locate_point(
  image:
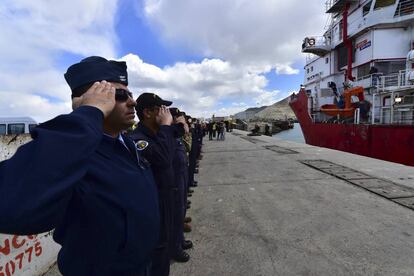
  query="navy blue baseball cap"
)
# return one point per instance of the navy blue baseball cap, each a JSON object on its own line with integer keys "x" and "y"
{"x": 146, "y": 100}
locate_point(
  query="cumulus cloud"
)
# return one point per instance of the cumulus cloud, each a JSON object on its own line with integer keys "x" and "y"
{"x": 243, "y": 40}
{"x": 34, "y": 34}
{"x": 258, "y": 33}
{"x": 28, "y": 104}
{"x": 201, "y": 88}
{"x": 285, "y": 70}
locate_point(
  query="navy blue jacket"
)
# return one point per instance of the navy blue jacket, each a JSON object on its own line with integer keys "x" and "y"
{"x": 88, "y": 186}
{"x": 159, "y": 152}
{"x": 180, "y": 164}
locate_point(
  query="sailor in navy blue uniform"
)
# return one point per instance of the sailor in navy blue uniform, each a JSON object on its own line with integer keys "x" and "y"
{"x": 180, "y": 166}
{"x": 80, "y": 176}
{"x": 193, "y": 152}
{"x": 155, "y": 136}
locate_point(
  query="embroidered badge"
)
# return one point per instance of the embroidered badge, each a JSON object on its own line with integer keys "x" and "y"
{"x": 141, "y": 144}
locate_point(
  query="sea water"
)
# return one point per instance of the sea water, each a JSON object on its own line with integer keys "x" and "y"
{"x": 295, "y": 134}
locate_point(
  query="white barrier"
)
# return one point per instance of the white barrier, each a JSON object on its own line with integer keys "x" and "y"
{"x": 24, "y": 255}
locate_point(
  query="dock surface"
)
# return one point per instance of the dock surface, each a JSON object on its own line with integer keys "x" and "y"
{"x": 260, "y": 210}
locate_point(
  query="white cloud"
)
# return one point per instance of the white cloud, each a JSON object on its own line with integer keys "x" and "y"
{"x": 33, "y": 35}
{"x": 286, "y": 70}
{"x": 258, "y": 33}
{"x": 200, "y": 87}
{"x": 28, "y": 104}
{"x": 243, "y": 39}
{"x": 267, "y": 98}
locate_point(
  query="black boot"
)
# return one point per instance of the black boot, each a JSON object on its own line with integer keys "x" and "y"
{"x": 187, "y": 244}
{"x": 181, "y": 257}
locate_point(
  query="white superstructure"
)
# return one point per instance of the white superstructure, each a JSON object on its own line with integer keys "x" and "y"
{"x": 379, "y": 35}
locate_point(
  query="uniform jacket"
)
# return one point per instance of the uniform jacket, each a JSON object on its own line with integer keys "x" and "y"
{"x": 158, "y": 150}
{"x": 88, "y": 186}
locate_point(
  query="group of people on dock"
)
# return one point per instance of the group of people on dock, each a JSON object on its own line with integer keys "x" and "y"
{"x": 218, "y": 129}
{"x": 115, "y": 197}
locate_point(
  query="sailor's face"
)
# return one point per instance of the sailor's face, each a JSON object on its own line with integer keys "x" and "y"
{"x": 123, "y": 114}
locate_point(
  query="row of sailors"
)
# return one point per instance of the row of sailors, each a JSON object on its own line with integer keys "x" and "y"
{"x": 117, "y": 202}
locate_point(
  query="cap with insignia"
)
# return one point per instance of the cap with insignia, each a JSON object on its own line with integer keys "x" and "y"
{"x": 94, "y": 68}
{"x": 175, "y": 112}
{"x": 146, "y": 100}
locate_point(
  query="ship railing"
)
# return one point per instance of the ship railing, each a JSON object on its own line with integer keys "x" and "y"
{"x": 405, "y": 7}
{"x": 318, "y": 45}
{"x": 400, "y": 111}
{"x": 357, "y": 115}
{"x": 393, "y": 81}
{"x": 371, "y": 80}
{"x": 403, "y": 116}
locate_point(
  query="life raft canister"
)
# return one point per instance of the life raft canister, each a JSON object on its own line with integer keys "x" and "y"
{"x": 311, "y": 41}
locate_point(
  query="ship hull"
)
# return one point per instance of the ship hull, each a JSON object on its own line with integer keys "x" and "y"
{"x": 393, "y": 143}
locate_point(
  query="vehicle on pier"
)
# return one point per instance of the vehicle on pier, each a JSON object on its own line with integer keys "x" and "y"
{"x": 16, "y": 125}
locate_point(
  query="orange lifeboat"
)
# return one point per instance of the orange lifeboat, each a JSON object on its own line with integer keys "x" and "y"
{"x": 348, "y": 110}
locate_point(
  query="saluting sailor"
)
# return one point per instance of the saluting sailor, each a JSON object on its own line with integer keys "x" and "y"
{"x": 155, "y": 138}
{"x": 86, "y": 180}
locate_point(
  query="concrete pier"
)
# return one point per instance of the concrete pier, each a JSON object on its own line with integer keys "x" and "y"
{"x": 260, "y": 210}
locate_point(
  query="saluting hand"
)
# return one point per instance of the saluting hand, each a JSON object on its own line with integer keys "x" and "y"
{"x": 164, "y": 116}
{"x": 181, "y": 120}
{"x": 101, "y": 95}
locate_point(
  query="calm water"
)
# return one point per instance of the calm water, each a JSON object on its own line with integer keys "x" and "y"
{"x": 295, "y": 134}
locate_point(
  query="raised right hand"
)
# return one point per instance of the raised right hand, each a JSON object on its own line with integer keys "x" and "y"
{"x": 101, "y": 95}
{"x": 164, "y": 116}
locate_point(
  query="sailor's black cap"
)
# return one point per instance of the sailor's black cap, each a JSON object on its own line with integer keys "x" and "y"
{"x": 146, "y": 100}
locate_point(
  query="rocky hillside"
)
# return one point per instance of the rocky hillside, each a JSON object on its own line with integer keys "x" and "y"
{"x": 278, "y": 111}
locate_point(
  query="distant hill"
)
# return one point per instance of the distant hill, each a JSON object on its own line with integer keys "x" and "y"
{"x": 277, "y": 111}
{"x": 257, "y": 109}
{"x": 249, "y": 113}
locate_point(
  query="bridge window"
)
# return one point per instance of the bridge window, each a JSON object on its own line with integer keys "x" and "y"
{"x": 366, "y": 8}
{"x": 390, "y": 67}
{"x": 383, "y": 3}
{"x": 15, "y": 128}
{"x": 363, "y": 70}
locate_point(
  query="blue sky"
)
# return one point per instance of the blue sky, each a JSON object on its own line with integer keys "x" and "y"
{"x": 209, "y": 57}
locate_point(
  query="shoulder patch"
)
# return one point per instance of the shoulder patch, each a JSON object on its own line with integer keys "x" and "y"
{"x": 141, "y": 144}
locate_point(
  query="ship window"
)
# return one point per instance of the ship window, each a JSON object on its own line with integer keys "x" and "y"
{"x": 15, "y": 128}
{"x": 307, "y": 70}
{"x": 326, "y": 60}
{"x": 383, "y": 3}
{"x": 390, "y": 67}
{"x": 342, "y": 54}
{"x": 2, "y": 129}
{"x": 366, "y": 8}
{"x": 311, "y": 68}
{"x": 363, "y": 70}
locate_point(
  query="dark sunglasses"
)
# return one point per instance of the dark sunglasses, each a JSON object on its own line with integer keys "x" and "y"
{"x": 122, "y": 95}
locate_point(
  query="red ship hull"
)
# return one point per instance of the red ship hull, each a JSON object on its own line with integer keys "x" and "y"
{"x": 393, "y": 143}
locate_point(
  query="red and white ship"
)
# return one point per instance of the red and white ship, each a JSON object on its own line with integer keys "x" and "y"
{"x": 358, "y": 94}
